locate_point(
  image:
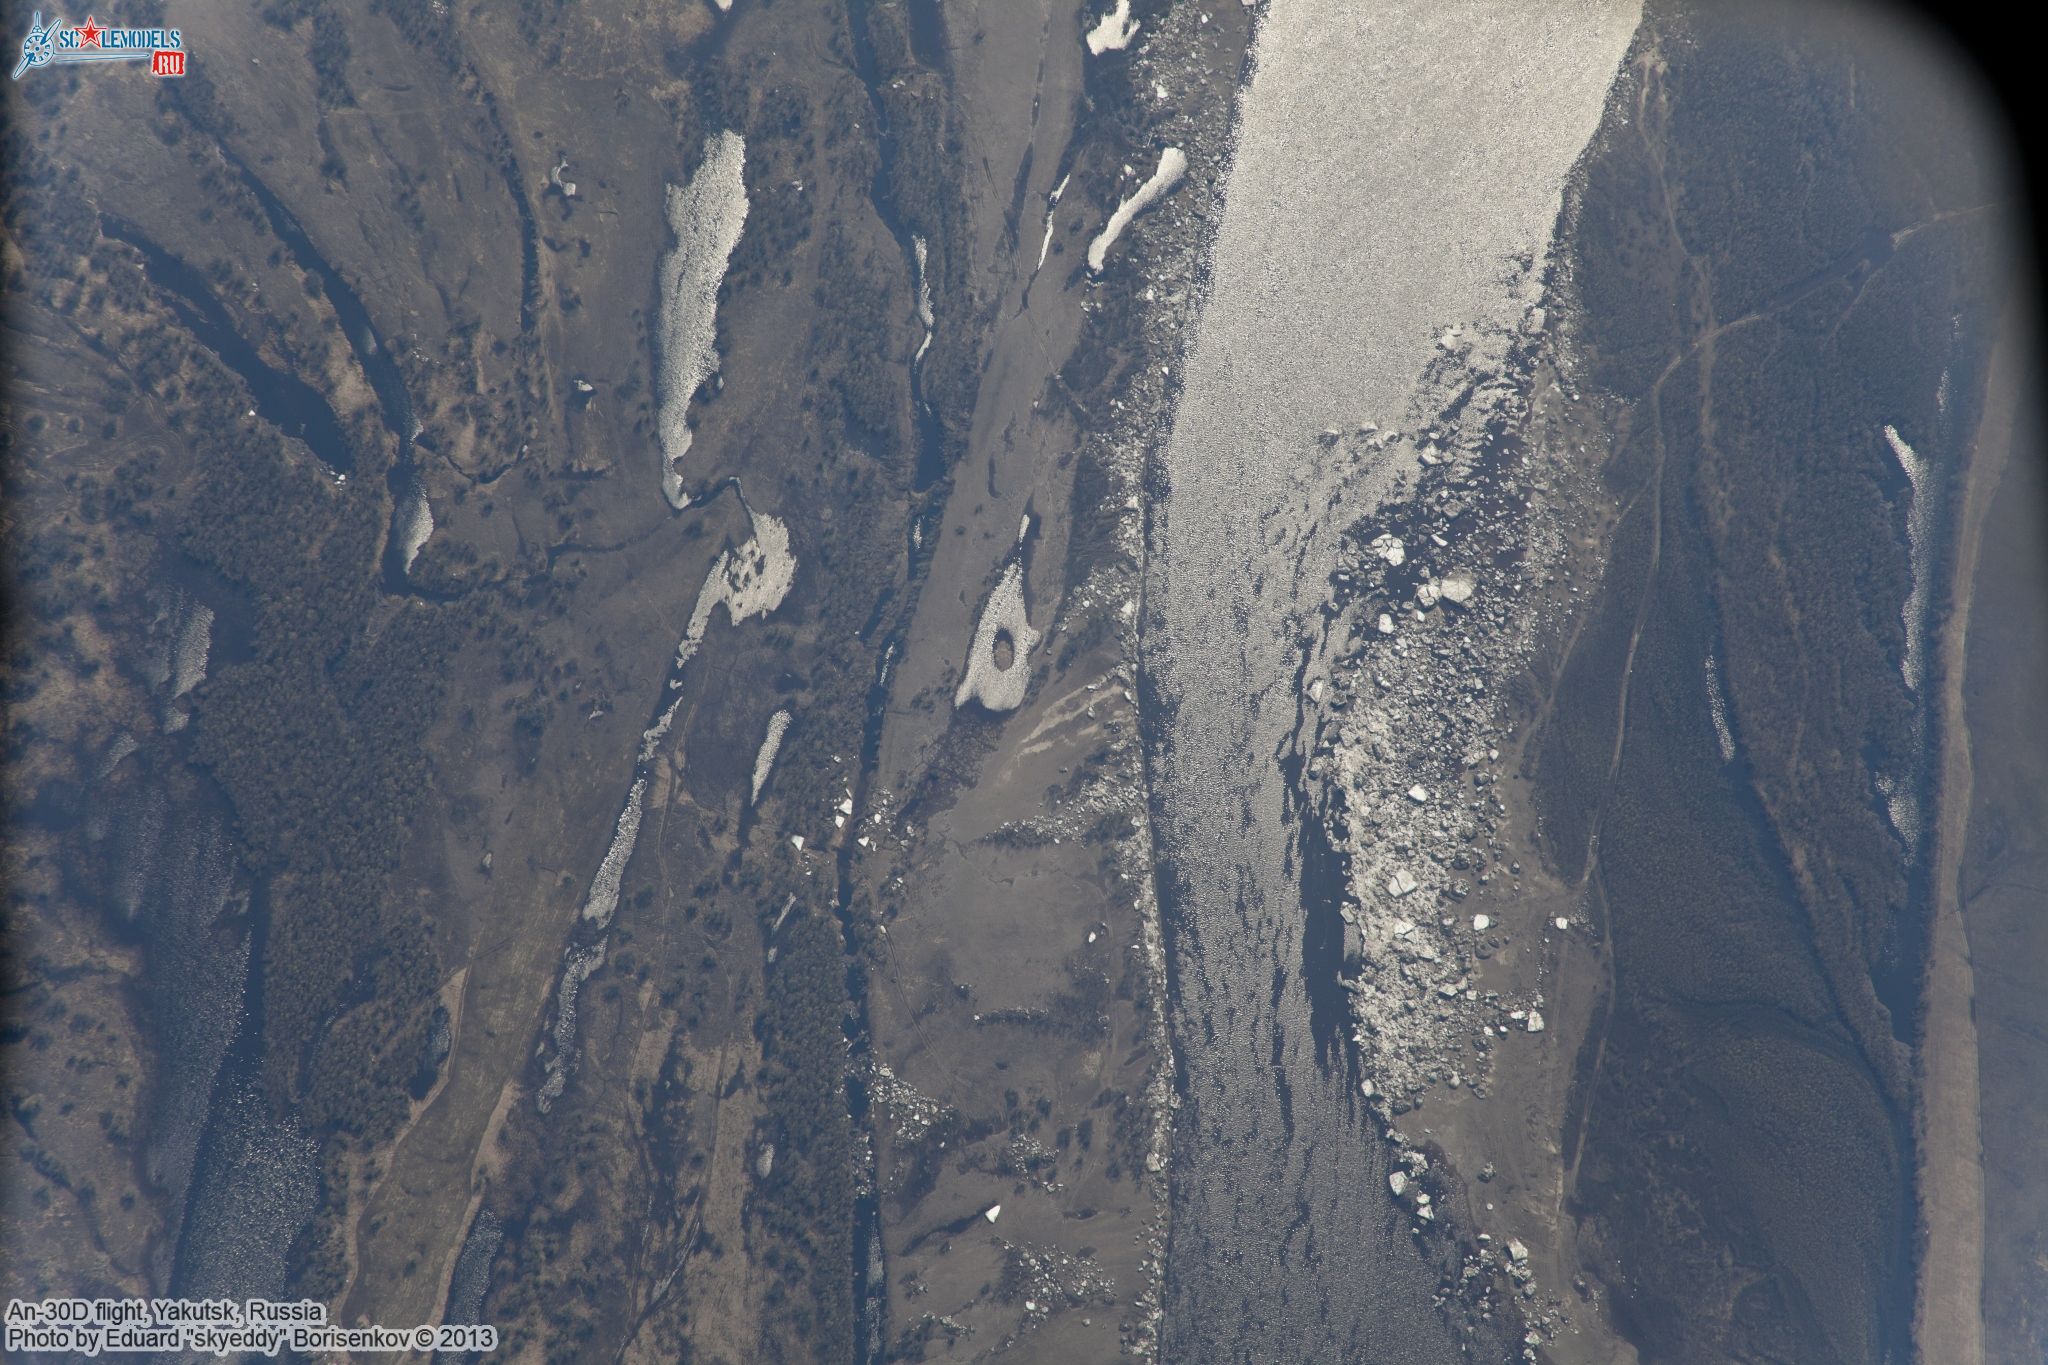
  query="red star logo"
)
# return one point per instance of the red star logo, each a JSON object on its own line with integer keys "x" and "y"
{"x": 89, "y": 33}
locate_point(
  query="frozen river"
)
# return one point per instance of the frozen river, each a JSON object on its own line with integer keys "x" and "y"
{"x": 1392, "y": 161}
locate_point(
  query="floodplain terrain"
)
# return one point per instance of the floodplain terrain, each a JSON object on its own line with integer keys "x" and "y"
{"x": 891, "y": 680}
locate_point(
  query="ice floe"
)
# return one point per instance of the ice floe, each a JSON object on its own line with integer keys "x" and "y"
{"x": 706, "y": 217}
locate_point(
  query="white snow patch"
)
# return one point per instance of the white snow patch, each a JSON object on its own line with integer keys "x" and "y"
{"x": 189, "y": 652}
{"x": 603, "y": 901}
{"x": 1902, "y": 808}
{"x": 924, "y": 300}
{"x": 1114, "y": 31}
{"x": 1919, "y": 519}
{"x": 417, "y": 528}
{"x": 1000, "y": 689}
{"x": 653, "y": 735}
{"x": 580, "y": 965}
{"x": 758, "y": 574}
{"x": 749, "y": 581}
{"x": 1052, "y": 203}
{"x": 706, "y": 217}
{"x": 1717, "y": 707}
{"x": 924, "y": 283}
{"x": 764, "y": 760}
{"x": 1173, "y": 164}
